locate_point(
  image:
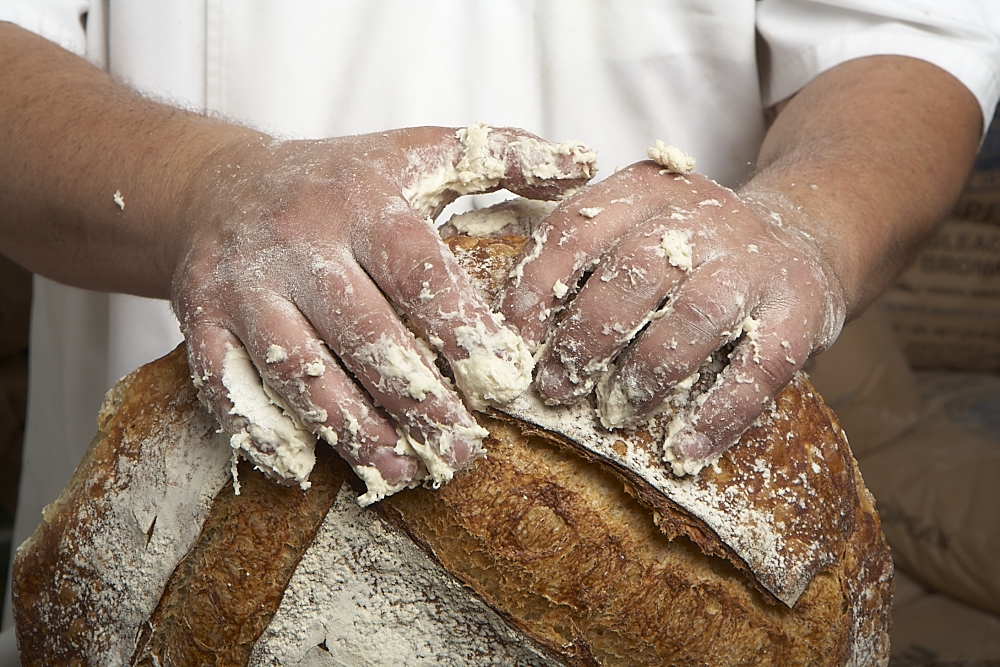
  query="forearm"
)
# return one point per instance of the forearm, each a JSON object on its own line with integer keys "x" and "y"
{"x": 873, "y": 153}
{"x": 70, "y": 138}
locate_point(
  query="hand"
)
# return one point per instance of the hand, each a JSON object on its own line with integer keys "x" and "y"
{"x": 678, "y": 268}
{"x": 308, "y": 254}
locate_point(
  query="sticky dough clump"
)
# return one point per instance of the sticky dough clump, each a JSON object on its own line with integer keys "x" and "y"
{"x": 273, "y": 439}
{"x": 670, "y": 158}
{"x": 498, "y": 367}
{"x": 482, "y": 166}
{"x": 674, "y": 245}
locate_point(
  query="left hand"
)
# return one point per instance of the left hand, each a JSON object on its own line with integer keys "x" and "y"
{"x": 680, "y": 267}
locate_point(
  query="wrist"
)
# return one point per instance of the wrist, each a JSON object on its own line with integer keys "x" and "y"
{"x": 816, "y": 245}
{"x": 214, "y": 181}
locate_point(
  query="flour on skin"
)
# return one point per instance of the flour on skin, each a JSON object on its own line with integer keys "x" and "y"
{"x": 402, "y": 370}
{"x": 498, "y": 364}
{"x": 482, "y": 166}
{"x": 273, "y": 439}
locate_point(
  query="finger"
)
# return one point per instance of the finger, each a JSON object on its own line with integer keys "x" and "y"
{"x": 540, "y": 169}
{"x": 232, "y": 389}
{"x": 627, "y": 289}
{"x": 624, "y": 293}
{"x": 759, "y": 368}
{"x": 273, "y": 434}
{"x": 573, "y": 238}
{"x": 418, "y": 272}
{"x": 700, "y": 317}
{"x": 207, "y": 343}
{"x": 443, "y": 164}
{"x": 352, "y": 315}
{"x": 300, "y": 369}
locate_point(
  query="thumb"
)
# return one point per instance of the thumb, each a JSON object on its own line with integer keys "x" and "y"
{"x": 483, "y": 159}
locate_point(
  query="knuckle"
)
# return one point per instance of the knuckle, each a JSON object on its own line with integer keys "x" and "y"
{"x": 772, "y": 373}
{"x": 705, "y": 316}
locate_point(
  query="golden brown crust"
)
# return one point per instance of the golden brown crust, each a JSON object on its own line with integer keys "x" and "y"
{"x": 792, "y": 469}
{"x": 486, "y": 261}
{"x": 552, "y": 541}
{"x": 577, "y": 563}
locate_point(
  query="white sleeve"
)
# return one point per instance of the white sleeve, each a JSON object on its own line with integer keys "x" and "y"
{"x": 59, "y": 21}
{"x": 806, "y": 37}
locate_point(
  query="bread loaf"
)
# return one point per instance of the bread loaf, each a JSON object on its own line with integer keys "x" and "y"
{"x": 549, "y": 551}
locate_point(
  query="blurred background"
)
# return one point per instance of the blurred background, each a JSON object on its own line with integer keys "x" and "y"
{"x": 15, "y": 305}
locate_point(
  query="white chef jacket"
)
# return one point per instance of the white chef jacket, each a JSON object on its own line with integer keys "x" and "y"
{"x": 614, "y": 73}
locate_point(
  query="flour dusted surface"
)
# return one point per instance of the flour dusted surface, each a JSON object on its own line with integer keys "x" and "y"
{"x": 136, "y": 523}
{"x": 364, "y": 595}
{"x": 782, "y": 555}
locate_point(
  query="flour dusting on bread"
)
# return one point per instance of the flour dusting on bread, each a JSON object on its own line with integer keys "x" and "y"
{"x": 391, "y": 606}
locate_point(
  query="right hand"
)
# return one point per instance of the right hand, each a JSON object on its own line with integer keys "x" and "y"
{"x": 309, "y": 253}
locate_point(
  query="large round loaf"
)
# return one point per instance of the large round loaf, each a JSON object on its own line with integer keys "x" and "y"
{"x": 543, "y": 553}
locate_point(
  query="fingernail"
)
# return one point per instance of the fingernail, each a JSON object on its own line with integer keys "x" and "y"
{"x": 461, "y": 450}
{"x": 395, "y": 469}
{"x": 467, "y": 444}
{"x": 553, "y": 384}
{"x": 693, "y": 446}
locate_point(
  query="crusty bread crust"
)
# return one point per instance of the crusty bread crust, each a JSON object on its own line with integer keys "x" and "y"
{"x": 558, "y": 545}
{"x": 582, "y": 557}
{"x": 252, "y": 542}
{"x": 783, "y": 505}
{"x": 95, "y": 568}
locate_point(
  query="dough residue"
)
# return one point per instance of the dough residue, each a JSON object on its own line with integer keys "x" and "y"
{"x": 402, "y": 370}
{"x": 478, "y": 170}
{"x": 276, "y": 354}
{"x": 540, "y": 160}
{"x": 539, "y": 237}
{"x": 671, "y": 158}
{"x": 315, "y": 369}
{"x": 515, "y": 216}
{"x": 498, "y": 367}
{"x": 376, "y": 488}
{"x": 273, "y": 438}
{"x": 675, "y": 246}
{"x": 482, "y": 166}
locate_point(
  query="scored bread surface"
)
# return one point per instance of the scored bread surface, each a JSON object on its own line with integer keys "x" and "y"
{"x": 543, "y": 553}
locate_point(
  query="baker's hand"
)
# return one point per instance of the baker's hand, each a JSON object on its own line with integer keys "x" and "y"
{"x": 678, "y": 267}
{"x": 309, "y": 253}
